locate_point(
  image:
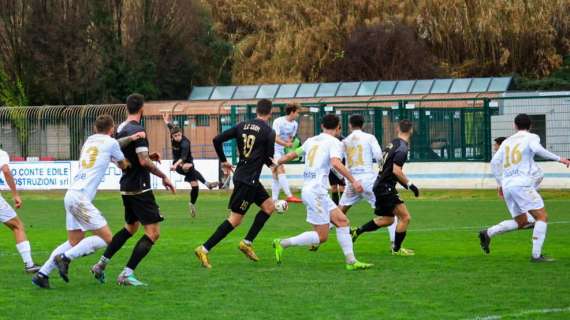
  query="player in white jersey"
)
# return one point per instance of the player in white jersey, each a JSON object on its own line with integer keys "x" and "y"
{"x": 361, "y": 150}
{"x": 537, "y": 176}
{"x": 513, "y": 166}
{"x": 81, "y": 215}
{"x": 322, "y": 153}
{"x": 285, "y": 130}
{"x": 11, "y": 220}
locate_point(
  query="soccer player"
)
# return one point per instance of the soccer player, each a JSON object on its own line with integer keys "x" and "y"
{"x": 512, "y": 166}
{"x": 11, "y": 220}
{"x": 183, "y": 163}
{"x": 81, "y": 215}
{"x": 255, "y": 142}
{"x": 361, "y": 150}
{"x": 321, "y": 153}
{"x": 138, "y": 199}
{"x": 388, "y": 203}
{"x": 285, "y": 130}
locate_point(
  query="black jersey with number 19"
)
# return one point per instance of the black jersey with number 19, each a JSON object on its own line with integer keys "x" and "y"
{"x": 255, "y": 142}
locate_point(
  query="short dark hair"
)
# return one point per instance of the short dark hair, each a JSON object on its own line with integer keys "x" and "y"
{"x": 356, "y": 120}
{"x": 175, "y": 129}
{"x": 264, "y": 107}
{"x": 405, "y": 126}
{"x": 523, "y": 122}
{"x": 291, "y": 107}
{"x": 330, "y": 121}
{"x": 103, "y": 123}
{"x": 134, "y": 103}
{"x": 499, "y": 140}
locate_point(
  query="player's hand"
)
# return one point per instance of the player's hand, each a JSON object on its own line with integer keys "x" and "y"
{"x": 357, "y": 186}
{"x": 17, "y": 201}
{"x": 166, "y": 118}
{"x": 565, "y": 162}
{"x": 288, "y": 144}
{"x": 414, "y": 189}
{"x": 500, "y": 192}
{"x": 227, "y": 168}
{"x": 168, "y": 185}
{"x": 155, "y": 156}
{"x": 187, "y": 166}
{"x": 138, "y": 135}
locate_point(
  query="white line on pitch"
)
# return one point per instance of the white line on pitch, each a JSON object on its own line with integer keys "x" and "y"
{"x": 523, "y": 313}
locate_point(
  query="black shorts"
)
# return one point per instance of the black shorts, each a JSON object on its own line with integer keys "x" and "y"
{"x": 142, "y": 208}
{"x": 244, "y": 195}
{"x": 387, "y": 198}
{"x": 334, "y": 180}
{"x": 188, "y": 176}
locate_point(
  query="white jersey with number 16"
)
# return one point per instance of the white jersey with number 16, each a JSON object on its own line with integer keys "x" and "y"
{"x": 96, "y": 154}
{"x": 513, "y": 164}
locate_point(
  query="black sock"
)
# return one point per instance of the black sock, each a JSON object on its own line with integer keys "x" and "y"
{"x": 258, "y": 223}
{"x": 369, "y": 226}
{"x": 141, "y": 249}
{"x": 194, "y": 194}
{"x": 400, "y": 236}
{"x": 222, "y": 231}
{"x": 335, "y": 197}
{"x": 199, "y": 176}
{"x": 117, "y": 243}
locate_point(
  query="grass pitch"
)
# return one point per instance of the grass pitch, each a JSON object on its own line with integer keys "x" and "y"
{"x": 449, "y": 278}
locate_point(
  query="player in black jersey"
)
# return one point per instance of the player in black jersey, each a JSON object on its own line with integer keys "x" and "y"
{"x": 138, "y": 199}
{"x": 336, "y": 180}
{"x": 388, "y": 202}
{"x": 255, "y": 142}
{"x": 183, "y": 163}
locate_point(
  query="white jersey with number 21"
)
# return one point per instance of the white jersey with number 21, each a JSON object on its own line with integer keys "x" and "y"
{"x": 96, "y": 154}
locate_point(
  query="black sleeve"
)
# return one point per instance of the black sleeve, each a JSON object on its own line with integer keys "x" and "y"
{"x": 270, "y": 149}
{"x": 400, "y": 156}
{"x": 184, "y": 150}
{"x": 220, "y": 139}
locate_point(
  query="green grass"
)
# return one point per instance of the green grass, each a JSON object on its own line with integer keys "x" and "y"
{"x": 449, "y": 278}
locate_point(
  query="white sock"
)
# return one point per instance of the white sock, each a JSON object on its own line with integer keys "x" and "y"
{"x": 49, "y": 265}
{"x": 25, "y": 252}
{"x": 85, "y": 247}
{"x": 275, "y": 189}
{"x": 284, "y": 184}
{"x": 504, "y": 226}
{"x": 345, "y": 241}
{"x": 128, "y": 271}
{"x": 530, "y": 219}
{"x": 309, "y": 238}
{"x": 392, "y": 230}
{"x": 538, "y": 235}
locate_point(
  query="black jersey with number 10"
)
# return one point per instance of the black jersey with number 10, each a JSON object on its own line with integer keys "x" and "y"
{"x": 395, "y": 153}
{"x": 255, "y": 143}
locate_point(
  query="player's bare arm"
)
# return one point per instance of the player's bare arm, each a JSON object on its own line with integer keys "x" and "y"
{"x": 285, "y": 143}
{"x": 404, "y": 181}
{"x": 125, "y": 141}
{"x": 146, "y": 161}
{"x": 336, "y": 163}
{"x": 12, "y": 185}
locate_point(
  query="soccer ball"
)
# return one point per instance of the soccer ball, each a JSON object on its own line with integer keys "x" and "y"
{"x": 281, "y": 206}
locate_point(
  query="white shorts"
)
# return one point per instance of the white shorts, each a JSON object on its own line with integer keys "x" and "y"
{"x": 350, "y": 197}
{"x": 521, "y": 200}
{"x": 81, "y": 214}
{"x": 6, "y": 211}
{"x": 319, "y": 206}
{"x": 278, "y": 153}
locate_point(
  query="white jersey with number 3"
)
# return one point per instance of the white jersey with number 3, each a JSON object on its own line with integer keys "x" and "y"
{"x": 361, "y": 150}
{"x": 513, "y": 165}
{"x": 319, "y": 151}
{"x": 96, "y": 154}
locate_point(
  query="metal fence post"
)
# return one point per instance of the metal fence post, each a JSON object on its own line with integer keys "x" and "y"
{"x": 487, "y": 135}
{"x": 233, "y": 119}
